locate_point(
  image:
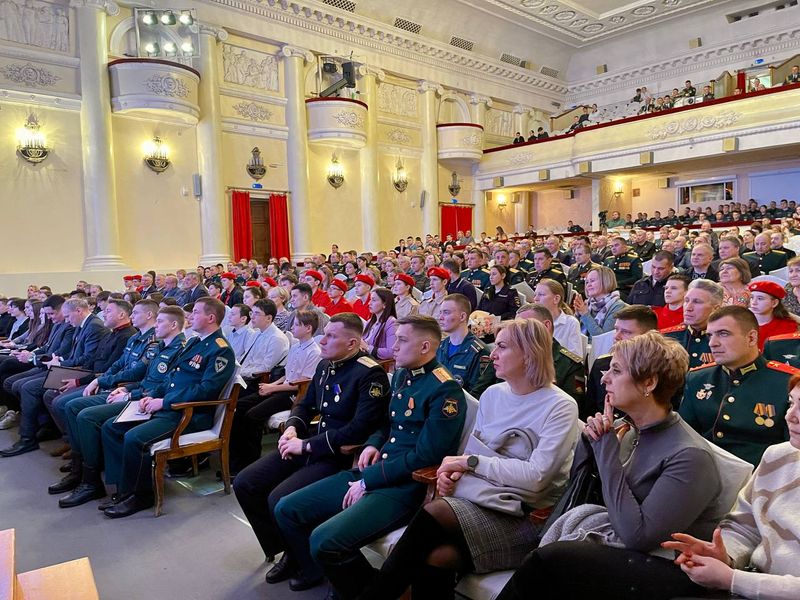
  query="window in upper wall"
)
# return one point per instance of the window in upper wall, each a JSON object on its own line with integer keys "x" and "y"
{"x": 706, "y": 192}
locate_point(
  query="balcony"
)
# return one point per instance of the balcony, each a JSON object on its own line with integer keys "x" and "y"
{"x": 460, "y": 145}
{"x": 155, "y": 89}
{"x": 338, "y": 122}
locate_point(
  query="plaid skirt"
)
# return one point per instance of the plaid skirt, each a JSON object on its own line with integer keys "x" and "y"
{"x": 497, "y": 541}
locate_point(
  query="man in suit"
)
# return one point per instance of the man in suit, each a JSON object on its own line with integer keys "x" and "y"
{"x": 702, "y": 256}
{"x": 518, "y": 139}
{"x": 171, "y": 289}
{"x": 194, "y": 289}
{"x": 89, "y": 331}
{"x": 794, "y": 76}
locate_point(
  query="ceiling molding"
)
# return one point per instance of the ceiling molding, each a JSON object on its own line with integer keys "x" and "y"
{"x": 62, "y": 100}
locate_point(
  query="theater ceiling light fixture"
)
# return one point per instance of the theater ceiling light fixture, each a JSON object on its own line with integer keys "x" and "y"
{"x": 172, "y": 34}
{"x": 156, "y": 155}
{"x": 400, "y": 177}
{"x": 335, "y": 172}
{"x": 31, "y": 142}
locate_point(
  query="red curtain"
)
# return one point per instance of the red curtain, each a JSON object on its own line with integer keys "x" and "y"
{"x": 741, "y": 81}
{"x": 454, "y": 218}
{"x": 278, "y": 227}
{"x": 242, "y": 226}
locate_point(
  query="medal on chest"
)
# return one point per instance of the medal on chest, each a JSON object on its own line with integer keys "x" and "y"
{"x": 765, "y": 414}
{"x": 196, "y": 360}
{"x": 337, "y": 390}
{"x": 705, "y": 393}
{"x": 410, "y": 408}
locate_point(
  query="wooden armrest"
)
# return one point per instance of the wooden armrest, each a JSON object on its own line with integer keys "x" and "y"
{"x": 184, "y": 405}
{"x": 262, "y": 377}
{"x": 350, "y": 449}
{"x": 426, "y": 475}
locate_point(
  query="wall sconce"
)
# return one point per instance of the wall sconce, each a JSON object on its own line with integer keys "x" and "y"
{"x": 335, "y": 172}
{"x": 400, "y": 177}
{"x": 31, "y": 143}
{"x": 157, "y": 155}
{"x": 256, "y": 168}
{"x": 618, "y": 190}
{"x": 454, "y": 188}
{"x": 501, "y": 202}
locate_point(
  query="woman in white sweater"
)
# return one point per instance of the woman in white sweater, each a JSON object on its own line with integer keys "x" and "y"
{"x": 517, "y": 461}
{"x": 762, "y": 531}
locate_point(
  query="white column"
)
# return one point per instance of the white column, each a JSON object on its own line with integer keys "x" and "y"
{"x": 596, "y": 185}
{"x": 368, "y": 161}
{"x": 297, "y": 149}
{"x": 99, "y": 188}
{"x": 522, "y": 213}
{"x": 521, "y": 114}
{"x": 430, "y": 160}
{"x": 215, "y": 219}
{"x": 478, "y": 107}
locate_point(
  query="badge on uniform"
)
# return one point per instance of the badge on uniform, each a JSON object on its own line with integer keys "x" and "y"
{"x": 789, "y": 357}
{"x": 162, "y": 367}
{"x": 706, "y": 358}
{"x": 410, "y": 407}
{"x": 705, "y": 393}
{"x": 764, "y": 410}
{"x": 375, "y": 390}
{"x": 196, "y": 360}
{"x": 337, "y": 389}
{"x": 450, "y": 408}
{"x": 220, "y": 364}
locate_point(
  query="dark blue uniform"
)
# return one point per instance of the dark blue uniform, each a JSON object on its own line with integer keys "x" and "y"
{"x": 469, "y": 363}
{"x": 784, "y": 348}
{"x": 477, "y": 277}
{"x": 695, "y": 342}
{"x": 504, "y": 303}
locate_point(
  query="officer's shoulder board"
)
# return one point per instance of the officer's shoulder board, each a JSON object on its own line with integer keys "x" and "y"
{"x": 675, "y": 329}
{"x": 571, "y": 355}
{"x": 477, "y": 345}
{"x": 782, "y": 367}
{"x": 603, "y": 356}
{"x": 705, "y": 366}
{"x": 367, "y": 362}
{"x": 221, "y": 342}
{"x": 557, "y": 271}
{"x": 632, "y": 255}
{"x": 783, "y": 336}
{"x": 781, "y": 252}
{"x": 749, "y": 254}
{"x": 441, "y": 374}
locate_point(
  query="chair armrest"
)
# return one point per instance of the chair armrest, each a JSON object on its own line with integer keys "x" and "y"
{"x": 350, "y": 449}
{"x": 425, "y": 475}
{"x": 262, "y": 377}
{"x": 183, "y": 405}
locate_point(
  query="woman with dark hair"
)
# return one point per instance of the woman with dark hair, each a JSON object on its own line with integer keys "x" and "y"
{"x": 501, "y": 234}
{"x": 132, "y": 297}
{"x": 379, "y": 332}
{"x": 350, "y": 270}
{"x": 499, "y": 298}
{"x": 16, "y": 308}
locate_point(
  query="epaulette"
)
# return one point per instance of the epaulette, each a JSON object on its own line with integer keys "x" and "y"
{"x": 367, "y": 362}
{"x": 603, "y": 356}
{"x": 705, "y": 366}
{"x": 778, "y": 251}
{"x": 441, "y": 374}
{"x": 676, "y": 328}
{"x": 221, "y": 342}
{"x": 782, "y": 367}
{"x": 632, "y": 255}
{"x": 477, "y": 345}
{"x": 558, "y": 271}
{"x": 748, "y": 253}
{"x": 571, "y": 355}
{"x": 784, "y": 336}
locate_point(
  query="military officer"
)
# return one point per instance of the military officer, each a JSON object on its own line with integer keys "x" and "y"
{"x": 327, "y": 522}
{"x": 350, "y": 394}
{"x": 542, "y": 263}
{"x": 85, "y": 416}
{"x": 464, "y": 355}
{"x": 476, "y": 274}
{"x": 784, "y": 348}
{"x": 200, "y": 372}
{"x": 643, "y": 248}
{"x": 513, "y": 275}
{"x": 580, "y": 267}
{"x": 701, "y": 300}
{"x": 740, "y": 401}
{"x": 765, "y": 259}
{"x": 626, "y": 264}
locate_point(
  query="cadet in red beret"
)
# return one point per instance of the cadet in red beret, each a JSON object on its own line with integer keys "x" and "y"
{"x": 270, "y": 282}
{"x": 338, "y": 303}
{"x": 363, "y": 287}
{"x": 319, "y": 297}
{"x": 772, "y": 316}
{"x": 231, "y": 292}
{"x": 431, "y": 304}
{"x": 405, "y": 304}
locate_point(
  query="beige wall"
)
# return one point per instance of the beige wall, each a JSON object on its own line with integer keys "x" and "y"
{"x": 495, "y": 216}
{"x": 550, "y": 210}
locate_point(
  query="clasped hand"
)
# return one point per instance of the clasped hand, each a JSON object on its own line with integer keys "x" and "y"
{"x": 289, "y": 444}
{"x": 150, "y": 405}
{"x": 706, "y": 563}
{"x": 449, "y": 472}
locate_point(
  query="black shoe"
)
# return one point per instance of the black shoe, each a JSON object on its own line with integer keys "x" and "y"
{"x": 85, "y": 492}
{"x": 46, "y": 433}
{"x": 182, "y": 467}
{"x": 114, "y": 499}
{"x": 129, "y": 506}
{"x": 67, "y": 484}
{"x": 281, "y": 571}
{"x": 21, "y": 446}
{"x": 300, "y": 583}
{"x": 67, "y": 468}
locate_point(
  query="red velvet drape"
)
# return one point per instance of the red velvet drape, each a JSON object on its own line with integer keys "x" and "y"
{"x": 741, "y": 81}
{"x": 454, "y": 218}
{"x": 278, "y": 227}
{"x": 242, "y": 226}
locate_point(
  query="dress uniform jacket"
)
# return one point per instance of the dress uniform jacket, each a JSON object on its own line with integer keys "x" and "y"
{"x": 695, "y": 342}
{"x": 515, "y": 276}
{"x": 469, "y": 364}
{"x": 553, "y": 273}
{"x": 648, "y": 292}
{"x": 503, "y": 303}
{"x": 570, "y": 372}
{"x": 628, "y": 269}
{"x": 132, "y": 363}
{"x": 477, "y": 277}
{"x": 771, "y": 261}
{"x": 159, "y": 359}
{"x": 405, "y": 306}
{"x": 465, "y": 288}
{"x": 577, "y": 276}
{"x": 645, "y": 251}
{"x": 740, "y": 410}
{"x": 783, "y": 348}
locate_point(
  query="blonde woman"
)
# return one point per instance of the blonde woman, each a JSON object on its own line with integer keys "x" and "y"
{"x": 602, "y": 303}
{"x": 280, "y": 296}
{"x": 734, "y": 275}
{"x": 566, "y": 328}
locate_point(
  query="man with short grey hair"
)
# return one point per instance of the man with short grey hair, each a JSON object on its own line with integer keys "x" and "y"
{"x": 701, "y": 300}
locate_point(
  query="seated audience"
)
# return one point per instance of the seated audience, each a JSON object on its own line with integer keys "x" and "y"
{"x": 362, "y": 287}
{"x": 792, "y": 299}
{"x": 379, "y": 332}
{"x": 405, "y": 303}
{"x": 279, "y": 296}
{"x": 458, "y": 284}
{"x": 701, "y": 258}
{"x": 772, "y": 316}
{"x": 238, "y": 330}
{"x": 764, "y": 258}
{"x": 671, "y": 314}
{"x": 625, "y": 264}
{"x": 582, "y": 262}
{"x": 499, "y": 298}
{"x": 649, "y": 290}
{"x": 338, "y": 303}
{"x": 734, "y": 275}
{"x": 431, "y": 303}
{"x": 702, "y": 298}
{"x": 566, "y": 328}
{"x": 602, "y": 303}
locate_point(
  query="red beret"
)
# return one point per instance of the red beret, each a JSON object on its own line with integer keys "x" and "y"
{"x": 768, "y": 287}
{"x": 270, "y": 281}
{"x": 365, "y": 279}
{"x": 407, "y": 279}
{"x": 136, "y": 276}
{"x": 128, "y": 278}
{"x": 315, "y": 274}
{"x": 227, "y": 275}
{"x": 439, "y": 272}
{"x": 339, "y": 284}
{"x": 252, "y": 284}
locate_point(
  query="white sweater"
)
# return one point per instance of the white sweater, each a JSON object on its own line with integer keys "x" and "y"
{"x": 764, "y": 528}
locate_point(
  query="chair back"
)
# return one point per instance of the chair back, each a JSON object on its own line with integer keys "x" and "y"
{"x": 416, "y": 293}
{"x": 782, "y": 273}
{"x": 524, "y": 290}
{"x": 734, "y": 473}
{"x": 772, "y": 278}
{"x": 646, "y": 266}
{"x": 478, "y": 295}
{"x": 601, "y": 344}
{"x": 469, "y": 422}
{"x": 231, "y": 393}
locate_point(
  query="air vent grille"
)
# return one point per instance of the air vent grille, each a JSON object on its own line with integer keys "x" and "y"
{"x": 343, "y": 4}
{"x": 510, "y": 59}
{"x": 462, "y": 43}
{"x": 407, "y": 25}
{"x": 549, "y": 72}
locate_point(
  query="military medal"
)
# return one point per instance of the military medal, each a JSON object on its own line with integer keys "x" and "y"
{"x": 705, "y": 393}
{"x": 769, "y": 422}
{"x": 410, "y": 407}
{"x": 760, "y": 410}
{"x": 337, "y": 389}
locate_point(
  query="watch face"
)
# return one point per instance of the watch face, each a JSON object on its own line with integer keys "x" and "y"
{"x": 472, "y": 462}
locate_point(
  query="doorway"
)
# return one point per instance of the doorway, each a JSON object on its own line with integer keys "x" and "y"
{"x": 259, "y": 219}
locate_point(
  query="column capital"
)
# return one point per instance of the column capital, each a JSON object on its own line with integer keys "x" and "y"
{"x": 289, "y": 51}
{"x": 429, "y": 86}
{"x": 212, "y": 30}
{"x": 110, "y": 7}
{"x": 521, "y": 109}
{"x": 478, "y": 99}
{"x": 366, "y": 71}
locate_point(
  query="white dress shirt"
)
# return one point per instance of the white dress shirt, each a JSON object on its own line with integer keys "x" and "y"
{"x": 239, "y": 338}
{"x": 302, "y": 360}
{"x": 267, "y": 350}
{"x": 567, "y": 330}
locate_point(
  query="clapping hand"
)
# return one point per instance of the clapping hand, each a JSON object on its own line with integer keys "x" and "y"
{"x": 580, "y": 305}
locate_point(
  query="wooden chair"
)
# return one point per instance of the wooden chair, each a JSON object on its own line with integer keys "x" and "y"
{"x": 277, "y": 422}
{"x": 216, "y": 439}
{"x": 387, "y": 364}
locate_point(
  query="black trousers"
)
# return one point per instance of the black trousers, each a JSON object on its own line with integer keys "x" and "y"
{"x": 259, "y": 487}
{"x": 10, "y": 366}
{"x": 577, "y": 570}
{"x": 252, "y": 412}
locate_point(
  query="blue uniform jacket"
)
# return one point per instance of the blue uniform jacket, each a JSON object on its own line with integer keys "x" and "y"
{"x": 161, "y": 360}
{"x": 132, "y": 364}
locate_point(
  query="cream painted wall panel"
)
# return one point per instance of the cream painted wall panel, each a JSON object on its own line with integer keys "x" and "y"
{"x": 495, "y": 216}
{"x": 400, "y": 214}
{"x": 252, "y": 111}
{"x": 550, "y": 210}
{"x": 237, "y": 152}
{"x": 41, "y": 202}
{"x": 158, "y": 226}
{"x": 38, "y": 77}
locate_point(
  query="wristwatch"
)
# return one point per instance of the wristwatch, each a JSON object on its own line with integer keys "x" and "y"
{"x": 307, "y": 448}
{"x": 472, "y": 462}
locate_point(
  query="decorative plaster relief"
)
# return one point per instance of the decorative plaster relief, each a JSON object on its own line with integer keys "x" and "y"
{"x": 501, "y": 122}
{"x": 523, "y": 158}
{"x": 35, "y": 23}
{"x": 398, "y": 136}
{"x": 347, "y": 118}
{"x": 397, "y": 100}
{"x": 692, "y": 124}
{"x": 28, "y": 75}
{"x": 471, "y": 140}
{"x": 249, "y": 68}
{"x": 252, "y": 111}
{"x": 166, "y": 85}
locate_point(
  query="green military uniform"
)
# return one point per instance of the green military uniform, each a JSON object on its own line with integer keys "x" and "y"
{"x": 570, "y": 372}
{"x": 200, "y": 372}
{"x": 514, "y": 276}
{"x": 628, "y": 269}
{"x": 469, "y": 363}
{"x": 426, "y": 418}
{"x": 553, "y": 273}
{"x": 771, "y": 261}
{"x": 742, "y": 410}
{"x": 477, "y": 277}
{"x": 784, "y": 348}
{"x": 526, "y": 265}
{"x": 85, "y": 416}
{"x": 577, "y": 276}
{"x": 695, "y": 342}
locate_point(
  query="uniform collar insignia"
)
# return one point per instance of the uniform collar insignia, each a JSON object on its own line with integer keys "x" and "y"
{"x": 416, "y": 372}
{"x": 747, "y": 369}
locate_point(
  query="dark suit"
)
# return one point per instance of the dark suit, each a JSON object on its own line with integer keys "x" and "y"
{"x": 193, "y": 295}
{"x": 151, "y": 290}
{"x": 465, "y": 288}
{"x": 6, "y": 321}
{"x": 647, "y": 292}
{"x": 711, "y": 274}
{"x": 86, "y": 342}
